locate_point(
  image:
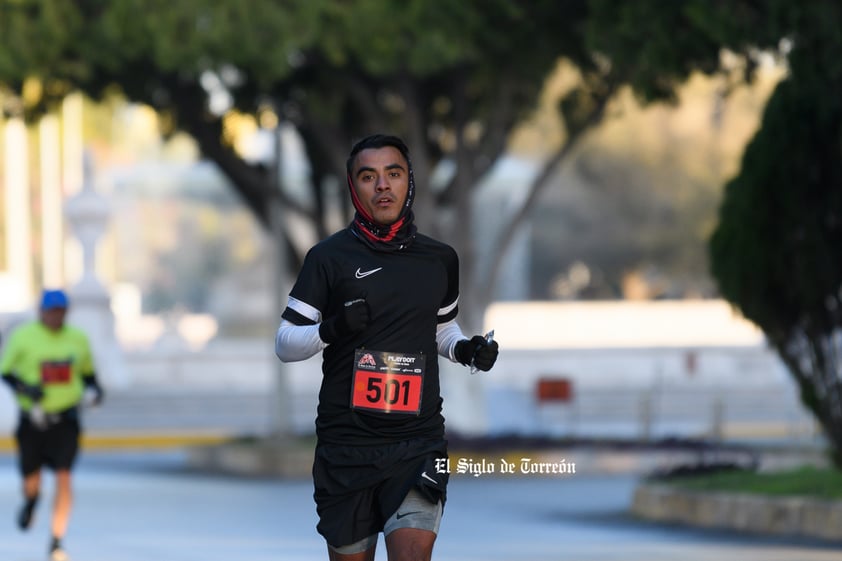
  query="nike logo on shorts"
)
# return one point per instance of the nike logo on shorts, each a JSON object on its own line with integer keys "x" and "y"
{"x": 399, "y": 515}
{"x": 425, "y": 476}
{"x": 362, "y": 274}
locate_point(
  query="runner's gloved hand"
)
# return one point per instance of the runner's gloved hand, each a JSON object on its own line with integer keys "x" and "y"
{"x": 92, "y": 385}
{"x": 352, "y": 318}
{"x": 479, "y": 351}
{"x": 32, "y": 391}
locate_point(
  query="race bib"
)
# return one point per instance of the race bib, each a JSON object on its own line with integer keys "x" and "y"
{"x": 55, "y": 372}
{"x": 387, "y": 382}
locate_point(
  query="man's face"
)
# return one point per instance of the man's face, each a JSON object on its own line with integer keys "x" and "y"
{"x": 381, "y": 180}
{"x": 53, "y": 318}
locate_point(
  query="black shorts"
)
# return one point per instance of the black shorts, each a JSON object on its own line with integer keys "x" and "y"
{"x": 55, "y": 447}
{"x": 357, "y": 488}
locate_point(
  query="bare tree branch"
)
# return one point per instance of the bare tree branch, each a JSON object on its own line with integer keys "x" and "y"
{"x": 536, "y": 188}
{"x": 253, "y": 183}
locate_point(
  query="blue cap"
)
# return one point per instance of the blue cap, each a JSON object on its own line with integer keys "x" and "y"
{"x": 53, "y": 299}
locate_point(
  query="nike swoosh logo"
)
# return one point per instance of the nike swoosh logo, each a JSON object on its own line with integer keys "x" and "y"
{"x": 425, "y": 476}
{"x": 362, "y": 274}
{"x": 399, "y": 516}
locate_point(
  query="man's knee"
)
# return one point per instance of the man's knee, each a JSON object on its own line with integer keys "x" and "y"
{"x": 410, "y": 544}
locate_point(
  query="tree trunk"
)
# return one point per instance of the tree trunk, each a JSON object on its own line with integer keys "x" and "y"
{"x": 536, "y": 188}
{"x": 815, "y": 363}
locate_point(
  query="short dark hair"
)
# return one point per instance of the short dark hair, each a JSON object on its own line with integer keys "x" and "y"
{"x": 376, "y": 141}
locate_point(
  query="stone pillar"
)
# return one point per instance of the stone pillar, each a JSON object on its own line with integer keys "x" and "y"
{"x": 281, "y": 284}
{"x": 52, "y": 201}
{"x": 72, "y": 174}
{"x": 90, "y": 304}
{"x": 19, "y": 277}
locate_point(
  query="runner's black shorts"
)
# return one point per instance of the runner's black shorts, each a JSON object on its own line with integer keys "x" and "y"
{"x": 357, "y": 488}
{"x": 55, "y": 447}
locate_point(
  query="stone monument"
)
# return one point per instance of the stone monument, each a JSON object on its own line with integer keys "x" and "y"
{"x": 87, "y": 213}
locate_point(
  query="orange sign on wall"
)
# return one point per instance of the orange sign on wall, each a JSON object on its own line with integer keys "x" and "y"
{"x": 554, "y": 389}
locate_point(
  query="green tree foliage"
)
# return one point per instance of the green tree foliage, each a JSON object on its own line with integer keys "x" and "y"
{"x": 776, "y": 253}
{"x": 454, "y": 78}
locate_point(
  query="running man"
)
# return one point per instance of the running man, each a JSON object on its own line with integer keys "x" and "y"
{"x": 49, "y": 367}
{"x": 379, "y": 300}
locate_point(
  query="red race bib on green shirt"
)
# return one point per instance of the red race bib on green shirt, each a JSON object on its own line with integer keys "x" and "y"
{"x": 387, "y": 382}
{"x": 55, "y": 372}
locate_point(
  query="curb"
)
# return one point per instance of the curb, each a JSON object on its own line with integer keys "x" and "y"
{"x": 790, "y": 516}
{"x": 137, "y": 441}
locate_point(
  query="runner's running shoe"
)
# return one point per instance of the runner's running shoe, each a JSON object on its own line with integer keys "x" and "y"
{"x": 57, "y": 553}
{"x": 25, "y": 514}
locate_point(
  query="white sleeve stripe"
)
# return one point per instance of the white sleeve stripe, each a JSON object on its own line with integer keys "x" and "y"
{"x": 447, "y": 335}
{"x": 297, "y": 342}
{"x": 447, "y": 309}
{"x": 304, "y": 309}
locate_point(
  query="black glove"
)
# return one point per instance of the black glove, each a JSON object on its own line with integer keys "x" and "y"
{"x": 92, "y": 384}
{"x": 479, "y": 351}
{"x": 352, "y": 318}
{"x": 32, "y": 391}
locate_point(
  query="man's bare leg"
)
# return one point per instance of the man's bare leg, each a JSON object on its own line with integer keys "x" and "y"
{"x": 410, "y": 544}
{"x": 63, "y": 503}
{"x": 31, "y": 489}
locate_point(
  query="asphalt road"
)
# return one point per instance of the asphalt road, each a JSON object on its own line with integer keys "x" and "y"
{"x": 143, "y": 506}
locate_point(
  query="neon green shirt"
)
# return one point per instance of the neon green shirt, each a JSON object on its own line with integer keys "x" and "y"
{"x": 55, "y": 360}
